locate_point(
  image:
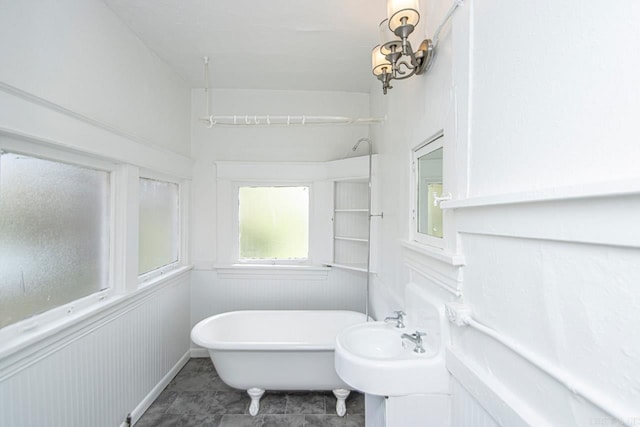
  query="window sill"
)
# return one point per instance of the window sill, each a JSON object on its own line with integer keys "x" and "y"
{"x": 34, "y": 336}
{"x": 455, "y": 260}
{"x": 270, "y": 272}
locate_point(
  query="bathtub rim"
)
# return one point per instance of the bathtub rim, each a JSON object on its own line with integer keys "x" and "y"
{"x": 281, "y": 346}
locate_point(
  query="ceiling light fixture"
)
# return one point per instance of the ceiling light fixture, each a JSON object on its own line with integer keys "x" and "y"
{"x": 394, "y": 58}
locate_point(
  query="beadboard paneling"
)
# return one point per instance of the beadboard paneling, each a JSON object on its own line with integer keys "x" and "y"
{"x": 105, "y": 372}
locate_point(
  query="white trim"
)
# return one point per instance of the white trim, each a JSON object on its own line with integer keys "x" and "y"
{"x": 439, "y": 254}
{"x": 625, "y": 187}
{"x": 430, "y": 145}
{"x": 164, "y": 269}
{"x": 33, "y": 147}
{"x": 185, "y": 221}
{"x": 272, "y": 272}
{"x": 65, "y": 129}
{"x": 440, "y": 269}
{"x": 573, "y": 383}
{"x": 199, "y": 352}
{"x": 349, "y": 169}
{"x": 142, "y": 407}
{"x": 125, "y": 228}
{"x": 495, "y": 399}
{"x": 564, "y": 220}
{"x": 274, "y": 172}
{"x": 158, "y": 272}
{"x": 25, "y": 347}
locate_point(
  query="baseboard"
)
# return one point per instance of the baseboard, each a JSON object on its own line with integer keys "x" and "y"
{"x": 136, "y": 414}
{"x": 199, "y": 352}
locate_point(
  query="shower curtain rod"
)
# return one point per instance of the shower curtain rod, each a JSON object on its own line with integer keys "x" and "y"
{"x": 211, "y": 120}
{"x": 288, "y": 120}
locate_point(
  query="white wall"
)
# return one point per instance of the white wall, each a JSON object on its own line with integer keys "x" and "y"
{"x": 555, "y": 95}
{"x": 75, "y": 84}
{"x": 302, "y": 149}
{"x": 78, "y": 56}
{"x": 539, "y": 104}
{"x": 262, "y": 144}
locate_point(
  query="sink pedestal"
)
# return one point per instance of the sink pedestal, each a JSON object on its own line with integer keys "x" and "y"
{"x": 416, "y": 410}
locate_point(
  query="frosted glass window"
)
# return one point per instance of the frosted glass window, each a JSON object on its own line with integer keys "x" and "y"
{"x": 274, "y": 222}
{"x": 159, "y": 224}
{"x": 54, "y": 234}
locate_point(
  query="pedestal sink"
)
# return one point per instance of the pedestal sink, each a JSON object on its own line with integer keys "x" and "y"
{"x": 372, "y": 357}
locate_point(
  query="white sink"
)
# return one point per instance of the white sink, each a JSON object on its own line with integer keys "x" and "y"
{"x": 371, "y": 357}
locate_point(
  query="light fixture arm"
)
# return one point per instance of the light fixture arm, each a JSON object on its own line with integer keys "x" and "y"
{"x": 387, "y": 57}
{"x": 436, "y": 37}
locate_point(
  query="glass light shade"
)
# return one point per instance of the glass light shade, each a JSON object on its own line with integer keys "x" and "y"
{"x": 398, "y": 9}
{"x": 386, "y": 37}
{"x": 379, "y": 63}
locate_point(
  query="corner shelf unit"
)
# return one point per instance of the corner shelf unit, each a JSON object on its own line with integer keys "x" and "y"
{"x": 350, "y": 225}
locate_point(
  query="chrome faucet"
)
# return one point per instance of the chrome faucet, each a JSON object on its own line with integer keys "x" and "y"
{"x": 399, "y": 318}
{"x": 416, "y": 338}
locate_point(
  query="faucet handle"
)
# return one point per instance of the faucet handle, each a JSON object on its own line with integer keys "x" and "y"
{"x": 399, "y": 318}
{"x": 419, "y": 335}
{"x": 417, "y": 340}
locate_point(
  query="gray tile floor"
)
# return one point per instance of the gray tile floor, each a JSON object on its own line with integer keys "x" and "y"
{"x": 197, "y": 397}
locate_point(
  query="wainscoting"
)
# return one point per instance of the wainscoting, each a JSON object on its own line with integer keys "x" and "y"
{"x": 114, "y": 362}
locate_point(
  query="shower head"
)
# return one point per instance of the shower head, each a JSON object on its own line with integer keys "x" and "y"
{"x": 361, "y": 140}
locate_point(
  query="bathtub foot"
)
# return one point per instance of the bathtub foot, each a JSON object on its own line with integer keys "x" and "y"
{"x": 341, "y": 396}
{"x": 255, "y": 394}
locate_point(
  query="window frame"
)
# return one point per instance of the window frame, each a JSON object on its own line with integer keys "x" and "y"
{"x": 26, "y": 147}
{"x": 236, "y": 223}
{"x": 162, "y": 270}
{"x": 430, "y": 145}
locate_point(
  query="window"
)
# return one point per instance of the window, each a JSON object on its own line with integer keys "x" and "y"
{"x": 428, "y": 190}
{"x": 159, "y": 224}
{"x": 273, "y": 223}
{"x": 54, "y": 234}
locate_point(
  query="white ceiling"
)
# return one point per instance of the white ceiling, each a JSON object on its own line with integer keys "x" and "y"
{"x": 261, "y": 44}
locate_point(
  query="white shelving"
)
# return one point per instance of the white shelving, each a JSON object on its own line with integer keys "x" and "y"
{"x": 350, "y": 225}
{"x": 353, "y": 267}
{"x": 351, "y": 239}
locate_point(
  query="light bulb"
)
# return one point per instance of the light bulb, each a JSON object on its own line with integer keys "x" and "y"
{"x": 399, "y": 10}
{"x": 379, "y": 64}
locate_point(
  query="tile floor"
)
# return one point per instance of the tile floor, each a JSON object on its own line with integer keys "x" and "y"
{"x": 197, "y": 397}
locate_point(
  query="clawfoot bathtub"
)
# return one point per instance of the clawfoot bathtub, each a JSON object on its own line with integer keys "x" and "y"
{"x": 276, "y": 350}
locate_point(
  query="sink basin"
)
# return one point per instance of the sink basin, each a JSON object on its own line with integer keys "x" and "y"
{"x": 373, "y": 342}
{"x": 371, "y": 357}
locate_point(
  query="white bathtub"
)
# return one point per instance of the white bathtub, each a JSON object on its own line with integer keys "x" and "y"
{"x": 262, "y": 350}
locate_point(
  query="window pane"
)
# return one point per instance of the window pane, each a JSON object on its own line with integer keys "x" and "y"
{"x": 429, "y": 186}
{"x": 274, "y": 222}
{"x": 54, "y": 234}
{"x": 159, "y": 224}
